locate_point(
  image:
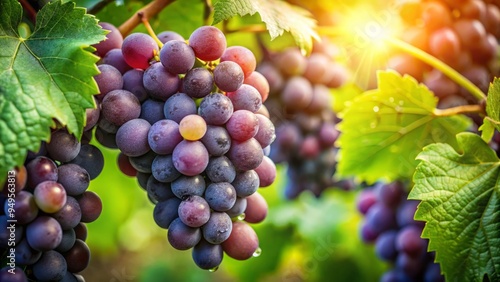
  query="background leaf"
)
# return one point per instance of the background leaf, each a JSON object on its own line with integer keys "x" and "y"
{"x": 44, "y": 77}
{"x": 461, "y": 204}
{"x": 493, "y": 103}
{"x": 279, "y": 17}
{"x": 383, "y": 130}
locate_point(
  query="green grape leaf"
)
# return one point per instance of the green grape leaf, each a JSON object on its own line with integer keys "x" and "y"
{"x": 383, "y": 130}
{"x": 44, "y": 78}
{"x": 278, "y": 15}
{"x": 343, "y": 96}
{"x": 460, "y": 194}
{"x": 493, "y": 103}
{"x": 487, "y": 129}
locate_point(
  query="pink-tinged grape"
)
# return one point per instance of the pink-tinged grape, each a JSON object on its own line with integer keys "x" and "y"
{"x": 163, "y": 136}
{"x": 338, "y": 75}
{"x": 120, "y": 106}
{"x": 365, "y": 200}
{"x": 178, "y": 106}
{"x": 246, "y": 155}
{"x": 190, "y": 157}
{"x": 291, "y": 62}
{"x": 108, "y": 80}
{"x": 242, "y": 56}
{"x": 168, "y": 35}
{"x": 208, "y": 43}
{"x": 328, "y": 134}
{"x": 177, "y": 57}
{"x": 256, "y": 208}
{"x": 81, "y": 231}
{"x": 92, "y": 116}
{"x": 228, "y": 76}
{"x": 473, "y": 9}
{"x": 216, "y": 109}
{"x": 90, "y": 205}
{"x": 138, "y": 49}
{"x": 194, "y": 211}
{"x": 198, "y": 83}
{"x": 132, "y": 137}
{"x": 159, "y": 83}
{"x": 242, "y": 125}
{"x": 181, "y": 236}
{"x": 297, "y": 93}
{"x": 50, "y": 196}
{"x": 266, "y": 171}
{"x": 218, "y": 228}
{"x": 114, "y": 39}
{"x": 445, "y": 44}
{"x": 321, "y": 99}
{"x": 259, "y": 82}
{"x": 436, "y": 15}
{"x": 310, "y": 147}
{"x": 469, "y": 31}
{"x": 391, "y": 194}
{"x": 192, "y": 127}
{"x": 317, "y": 68}
{"x": 115, "y": 58}
{"x": 44, "y": 233}
{"x": 41, "y": 169}
{"x": 266, "y": 133}
{"x": 246, "y": 97}
{"x": 242, "y": 243}
{"x": 409, "y": 242}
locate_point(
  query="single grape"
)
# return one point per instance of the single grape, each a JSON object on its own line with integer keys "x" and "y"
{"x": 259, "y": 82}
{"x": 208, "y": 43}
{"x": 242, "y": 243}
{"x": 242, "y": 125}
{"x": 163, "y": 136}
{"x": 50, "y": 196}
{"x": 168, "y": 35}
{"x": 91, "y": 159}
{"x": 90, "y": 205}
{"x": 114, "y": 39}
{"x": 194, "y": 211}
{"x": 256, "y": 210}
{"x": 50, "y": 267}
{"x": 138, "y": 49}
{"x": 114, "y": 58}
{"x": 166, "y": 211}
{"x": 78, "y": 257}
{"x": 108, "y": 80}
{"x": 242, "y": 56}
{"x": 177, "y": 57}
{"x": 228, "y": 76}
{"x": 218, "y": 228}
{"x": 266, "y": 171}
{"x": 190, "y": 157}
{"x": 132, "y": 137}
{"x": 181, "y": 236}
{"x": 44, "y": 233}
{"x": 192, "y": 127}
{"x": 216, "y": 140}
{"x": 216, "y": 109}
{"x": 132, "y": 81}
{"x": 69, "y": 215}
{"x": 206, "y": 255}
{"x": 185, "y": 186}
{"x": 120, "y": 106}
{"x": 246, "y": 183}
{"x": 246, "y": 97}
{"x": 163, "y": 168}
{"x": 74, "y": 178}
{"x": 152, "y": 110}
{"x": 220, "y": 196}
{"x": 246, "y": 155}
{"x": 41, "y": 169}
{"x": 159, "y": 83}
{"x": 178, "y": 106}
{"x": 198, "y": 82}
{"x": 220, "y": 169}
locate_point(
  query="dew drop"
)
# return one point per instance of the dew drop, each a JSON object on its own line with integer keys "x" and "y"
{"x": 376, "y": 109}
{"x": 214, "y": 269}
{"x": 257, "y": 252}
{"x": 241, "y": 216}
{"x": 391, "y": 99}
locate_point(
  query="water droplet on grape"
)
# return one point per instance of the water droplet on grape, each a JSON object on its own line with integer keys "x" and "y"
{"x": 214, "y": 269}
{"x": 257, "y": 252}
{"x": 241, "y": 216}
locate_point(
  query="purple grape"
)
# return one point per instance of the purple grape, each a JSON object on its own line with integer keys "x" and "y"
{"x": 206, "y": 255}
{"x": 163, "y": 168}
{"x": 26, "y": 255}
{"x": 239, "y": 207}
{"x": 185, "y": 186}
{"x": 78, "y": 257}
{"x": 50, "y": 267}
{"x": 132, "y": 81}
{"x": 108, "y": 80}
{"x": 120, "y": 106}
{"x": 41, "y": 169}
{"x": 177, "y": 57}
{"x": 69, "y": 215}
{"x": 246, "y": 97}
{"x": 216, "y": 140}
{"x": 74, "y": 178}
{"x": 114, "y": 39}
{"x": 114, "y": 58}
{"x": 91, "y": 159}
{"x": 385, "y": 246}
{"x": 220, "y": 169}
{"x": 159, "y": 83}
{"x": 228, "y": 76}
{"x": 163, "y": 136}
{"x": 152, "y": 110}
{"x": 166, "y": 36}
{"x": 90, "y": 206}
{"x": 166, "y": 211}
{"x": 246, "y": 155}
{"x": 190, "y": 157}
{"x": 194, "y": 211}
{"x": 198, "y": 83}
{"x": 143, "y": 163}
{"x": 220, "y": 196}
{"x": 181, "y": 236}
{"x": 68, "y": 240}
{"x": 216, "y": 109}
{"x": 242, "y": 125}
{"x": 218, "y": 228}
{"x": 246, "y": 183}
{"x": 178, "y": 106}
{"x": 44, "y": 233}
{"x": 132, "y": 137}
{"x": 24, "y": 208}
{"x": 159, "y": 191}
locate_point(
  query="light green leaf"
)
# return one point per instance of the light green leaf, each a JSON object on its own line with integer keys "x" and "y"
{"x": 487, "y": 129}
{"x": 45, "y": 77}
{"x": 383, "y": 130}
{"x": 278, "y": 15}
{"x": 493, "y": 103}
{"x": 343, "y": 96}
{"x": 460, "y": 194}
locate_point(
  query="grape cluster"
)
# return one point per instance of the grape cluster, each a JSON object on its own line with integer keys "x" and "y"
{"x": 300, "y": 105}
{"x": 45, "y": 206}
{"x": 463, "y": 34}
{"x": 390, "y": 226}
{"x": 189, "y": 123}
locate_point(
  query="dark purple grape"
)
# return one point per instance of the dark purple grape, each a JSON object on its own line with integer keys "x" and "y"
{"x": 246, "y": 155}
{"x": 216, "y": 140}
{"x": 178, "y": 106}
{"x": 69, "y": 215}
{"x": 381, "y": 218}
{"x": 198, "y": 83}
{"x": 159, "y": 83}
{"x": 91, "y": 159}
{"x": 44, "y": 233}
{"x": 132, "y": 81}
{"x": 50, "y": 267}
{"x": 166, "y": 211}
{"x": 220, "y": 196}
{"x": 108, "y": 80}
{"x": 159, "y": 191}
{"x": 218, "y": 228}
{"x": 246, "y": 183}
{"x": 114, "y": 57}
{"x": 216, "y": 109}
{"x": 67, "y": 242}
{"x": 78, "y": 257}
{"x": 90, "y": 205}
{"x": 152, "y": 110}
{"x": 220, "y": 169}
{"x": 385, "y": 246}
{"x": 185, "y": 186}
{"x": 228, "y": 76}
{"x": 163, "y": 136}
{"x": 74, "y": 178}
{"x": 163, "y": 168}
{"x": 181, "y": 236}
{"x": 206, "y": 255}
{"x": 25, "y": 254}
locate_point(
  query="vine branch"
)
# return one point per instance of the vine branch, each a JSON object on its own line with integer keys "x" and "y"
{"x": 148, "y": 11}
{"x": 465, "y": 109}
{"x": 29, "y": 9}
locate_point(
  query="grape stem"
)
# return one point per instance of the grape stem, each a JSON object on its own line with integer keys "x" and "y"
{"x": 148, "y": 11}
{"x": 150, "y": 30}
{"x": 29, "y": 9}
{"x": 439, "y": 65}
{"x": 465, "y": 109}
